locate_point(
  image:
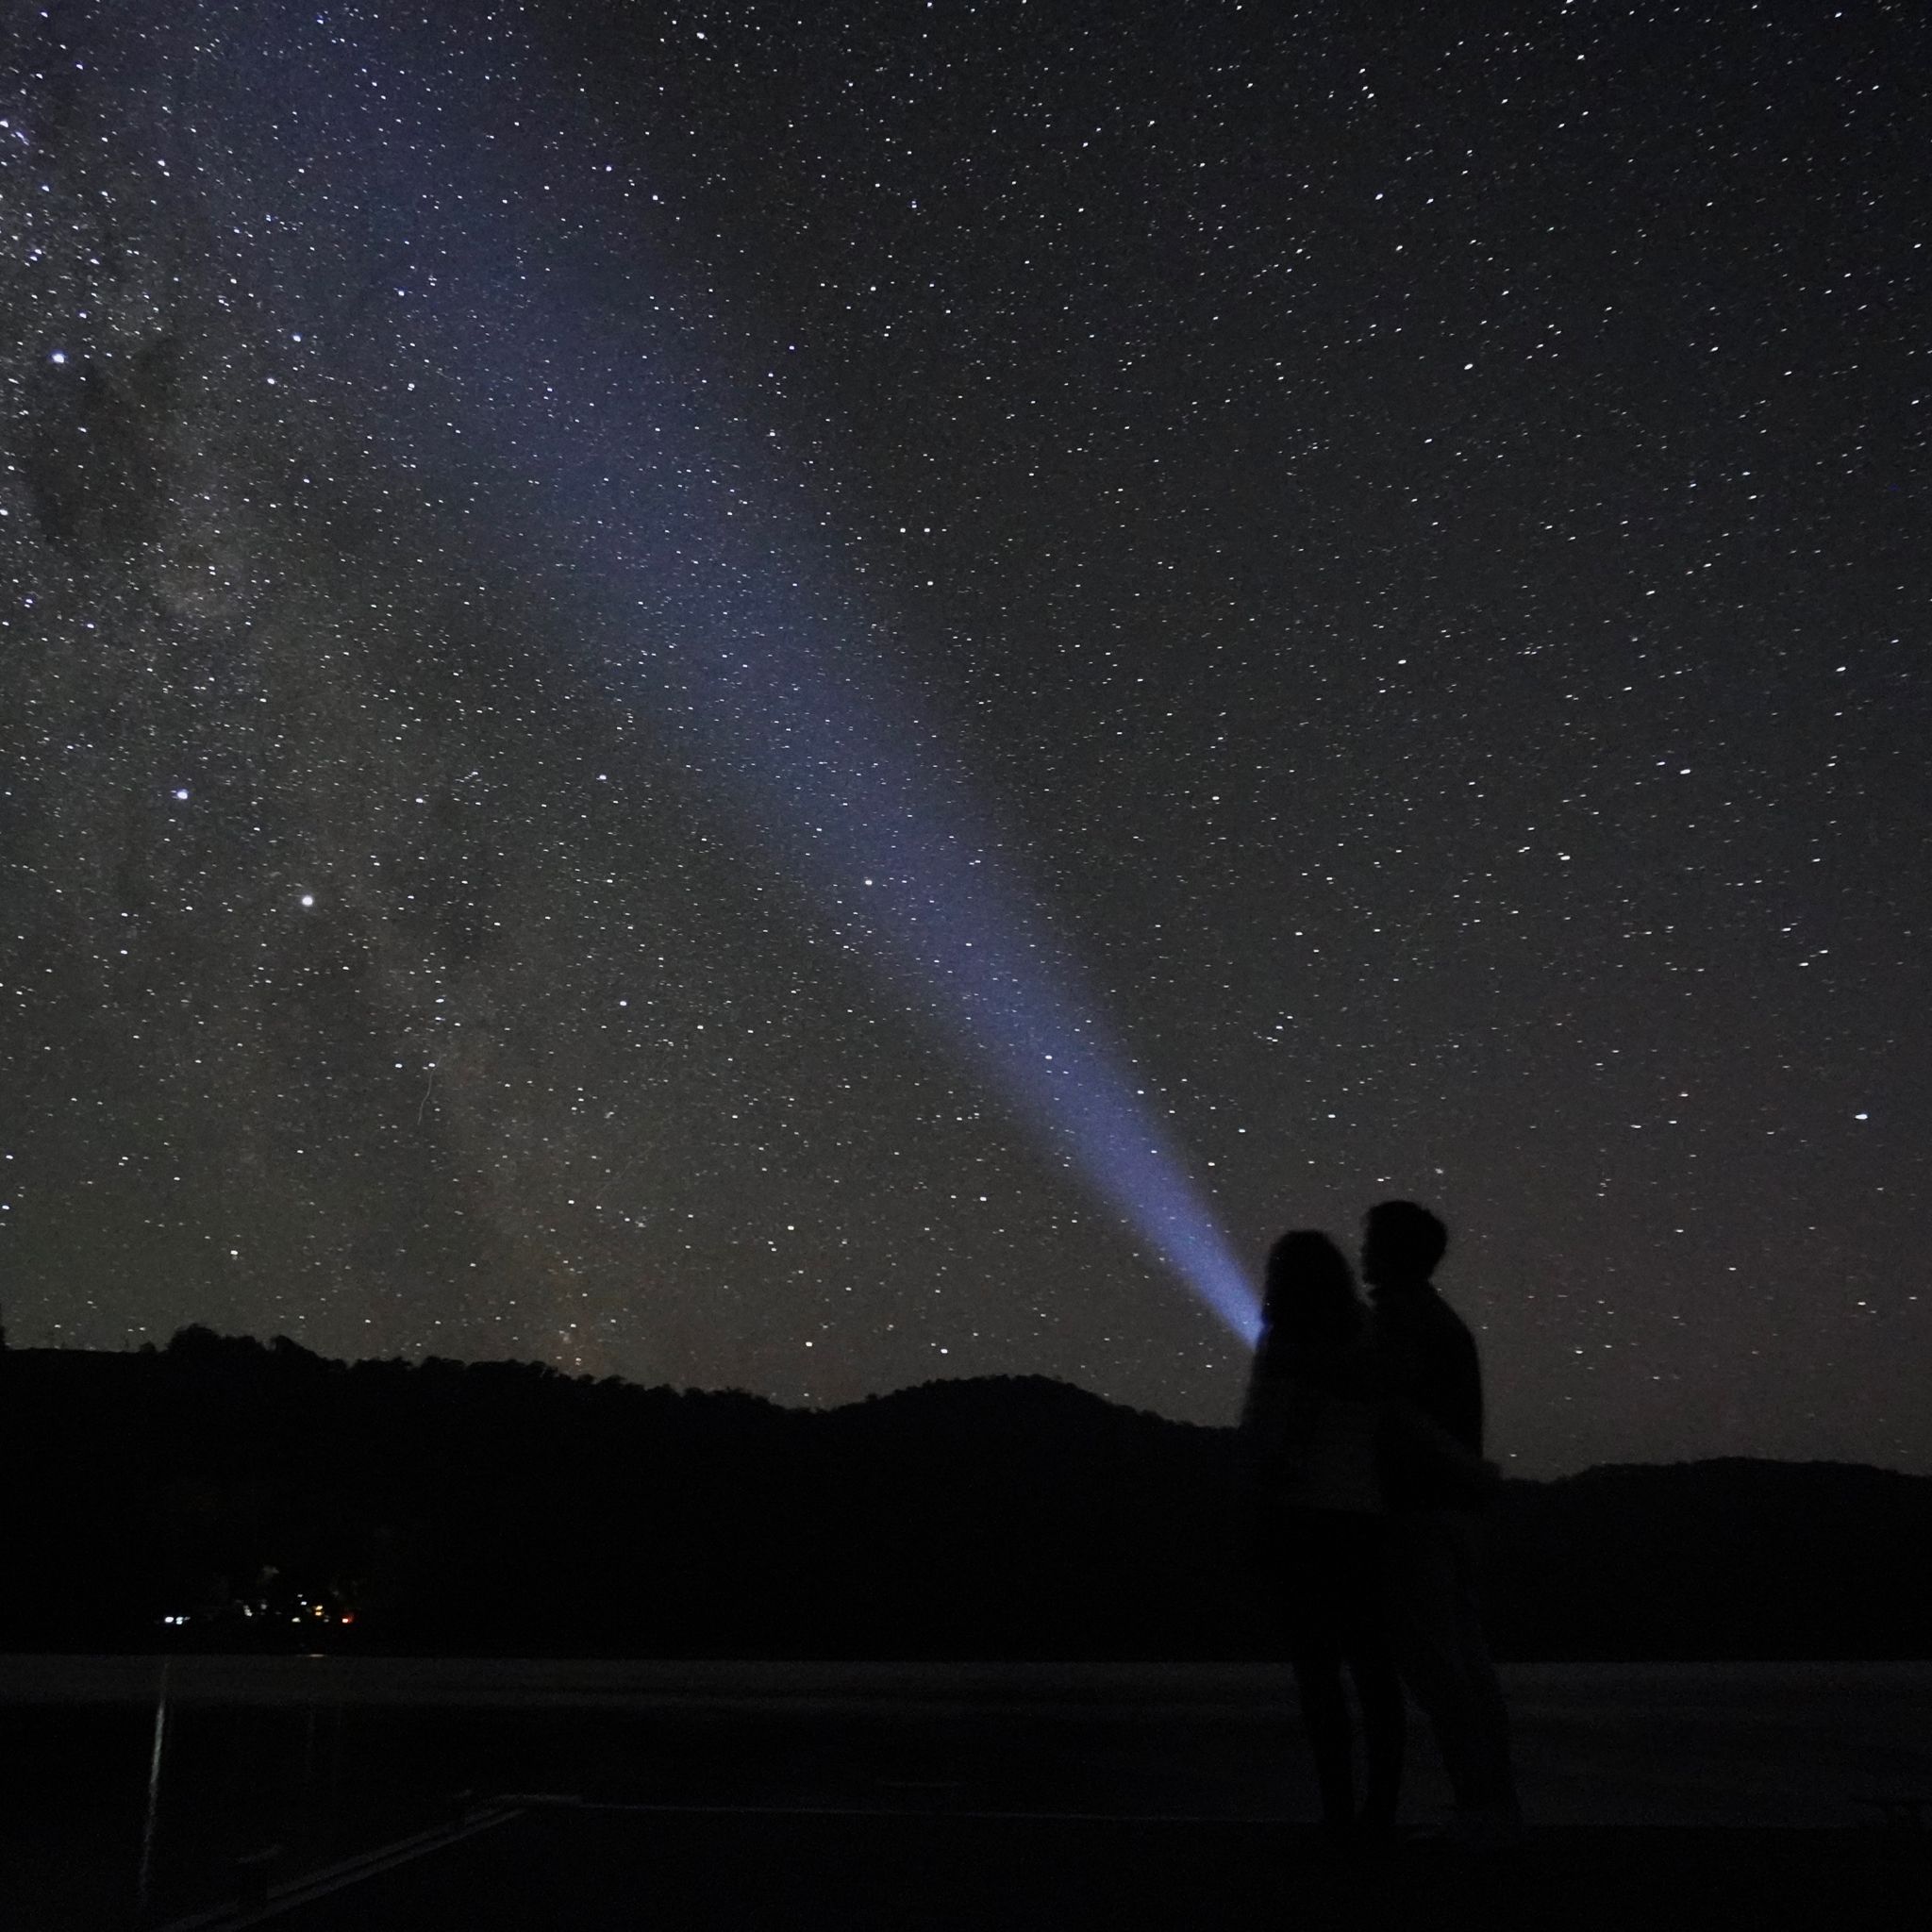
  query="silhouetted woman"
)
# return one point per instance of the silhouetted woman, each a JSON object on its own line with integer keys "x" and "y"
{"x": 1315, "y": 1514}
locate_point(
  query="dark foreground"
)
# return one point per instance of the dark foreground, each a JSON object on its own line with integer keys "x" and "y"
{"x": 332, "y": 1792}
{"x": 556, "y": 1866}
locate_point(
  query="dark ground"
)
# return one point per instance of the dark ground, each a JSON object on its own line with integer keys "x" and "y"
{"x": 591, "y": 1870}
{"x": 795, "y": 1797}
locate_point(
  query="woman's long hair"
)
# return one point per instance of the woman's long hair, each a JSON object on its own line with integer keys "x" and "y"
{"x": 1310, "y": 1308}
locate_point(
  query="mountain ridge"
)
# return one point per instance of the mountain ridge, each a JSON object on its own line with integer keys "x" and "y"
{"x": 504, "y": 1507}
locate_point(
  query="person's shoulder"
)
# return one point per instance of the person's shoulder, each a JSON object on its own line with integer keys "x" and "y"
{"x": 1435, "y": 1308}
{"x": 1357, "y": 1372}
{"x": 1434, "y": 1327}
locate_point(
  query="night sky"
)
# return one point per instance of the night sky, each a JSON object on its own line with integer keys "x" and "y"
{"x": 567, "y": 583}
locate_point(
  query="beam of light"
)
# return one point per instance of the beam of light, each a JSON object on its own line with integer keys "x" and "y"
{"x": 583, "y": 425}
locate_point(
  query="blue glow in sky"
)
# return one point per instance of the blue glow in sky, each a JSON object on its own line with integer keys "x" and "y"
{"x": 581, "y": 425}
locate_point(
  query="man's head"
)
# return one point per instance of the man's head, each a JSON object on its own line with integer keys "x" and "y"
{"x": 1402, "y": 1244}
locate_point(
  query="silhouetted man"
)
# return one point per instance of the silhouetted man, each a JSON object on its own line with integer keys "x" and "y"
{"x": 1435, "y": 1503}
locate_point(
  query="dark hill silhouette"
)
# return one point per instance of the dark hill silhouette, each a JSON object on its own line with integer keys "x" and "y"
{"x": 1026, "y": 1517}
{"x": 506, "y": 1508}
{"x": 1734, "y": 1557}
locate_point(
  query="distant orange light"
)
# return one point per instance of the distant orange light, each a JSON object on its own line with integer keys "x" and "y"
{"x": 348, "y": 1616}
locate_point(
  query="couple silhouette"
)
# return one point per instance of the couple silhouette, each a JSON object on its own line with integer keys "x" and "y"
{"x": 1364, "y": 1486}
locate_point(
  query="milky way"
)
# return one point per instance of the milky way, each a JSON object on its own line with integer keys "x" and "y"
{"x": 1401, "y": 553}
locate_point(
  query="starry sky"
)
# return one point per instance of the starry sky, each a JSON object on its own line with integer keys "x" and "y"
{"x": 562, "y": 578}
